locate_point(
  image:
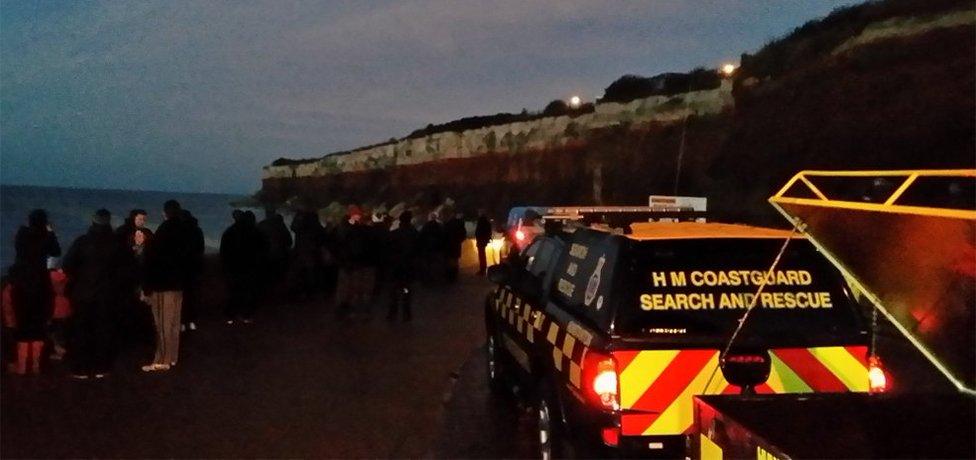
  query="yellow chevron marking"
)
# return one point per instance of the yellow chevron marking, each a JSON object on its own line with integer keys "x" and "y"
{"x": 788, "y": 381}
{"x": 846, "y": 367}
{"x": 568, "y": 343}
{"x": 680, "y": 415}
{"x": 526, "y": 312}
{"x": 557, "y": 359}
{"x": 708, "y": 449}
{"x": 553, "y": 331}
{"x": 646, "y": 367}
{"x": 539, "y": 319}
{"x": 574, "y": 374}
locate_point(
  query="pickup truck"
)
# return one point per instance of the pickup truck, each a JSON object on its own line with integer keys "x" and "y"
{"x": 610, "y": 337}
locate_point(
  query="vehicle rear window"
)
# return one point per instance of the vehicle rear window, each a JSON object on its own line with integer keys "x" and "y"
{"x": 699, "y": 289}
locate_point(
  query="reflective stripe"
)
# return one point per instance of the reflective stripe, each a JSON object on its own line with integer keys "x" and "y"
{"x": 574, "y": 373}
{"x": 708, "y": 449}
{"x": 553, "y": 332}
{"x": 842, "y": 364}
{"x": 568, "y": 343}
{"x": 679, "y": 416}
{"x": 642, "y": 371}
{"x": 539, "y": 319}
{"x": 782, "y": 379}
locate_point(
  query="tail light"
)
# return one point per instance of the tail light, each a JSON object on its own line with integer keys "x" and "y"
{"x": 519, "y": 236}
{"x": 600, "y": 380}
{"x": 877, "y": 379}
{"x": 611, "y": 436}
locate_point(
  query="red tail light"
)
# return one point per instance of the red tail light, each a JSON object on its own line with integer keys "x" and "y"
{"x": 877, "y": 378}
{"x": 599, "y": 380}
{"x": 611, "y": 436}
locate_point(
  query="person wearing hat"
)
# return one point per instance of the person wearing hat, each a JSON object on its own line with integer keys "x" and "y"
{"x": 99, "y": 266}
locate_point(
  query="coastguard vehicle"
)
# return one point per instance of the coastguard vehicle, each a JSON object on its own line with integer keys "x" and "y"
{"x": 611, "y": 336}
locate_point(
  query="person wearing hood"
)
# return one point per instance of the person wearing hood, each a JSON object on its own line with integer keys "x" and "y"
{"x": 167, "y": 259}
{"x": 99, "y": 269}
{"x": 31, "y": 292}
{"x": 243, "y": 253}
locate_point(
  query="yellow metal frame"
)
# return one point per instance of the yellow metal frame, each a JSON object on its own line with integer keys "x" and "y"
{"x": 889, "y": 206}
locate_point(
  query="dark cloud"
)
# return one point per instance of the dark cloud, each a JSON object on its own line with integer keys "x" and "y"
{"x": 199, "y": 95}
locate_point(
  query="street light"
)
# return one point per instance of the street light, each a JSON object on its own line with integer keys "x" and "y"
{"x": 575, "y": 101}
{"x": 728, "y": 69}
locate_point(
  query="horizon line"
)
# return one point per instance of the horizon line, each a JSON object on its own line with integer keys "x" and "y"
{"x": 5, "y": 184}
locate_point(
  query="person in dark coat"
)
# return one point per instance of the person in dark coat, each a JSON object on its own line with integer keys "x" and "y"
{"x": 194, "y": 271}
{"x": 355, "y": 284}
{"x": 279, "y": 246}
{"x": 135, "y": 320}
{"x": 31, "y": 292}
{"x": 402, "y": 257}
{"x": 307, "y": 258}
{"x": 134, "y": 232}
{"x": 167, "y": 260}
{"x": 99, "y": 267}
{"x": 432, "y": 249}
{"x": 482, "y": 236}
{"x": 243, "y": 253}
{"x": 454, "y": 236}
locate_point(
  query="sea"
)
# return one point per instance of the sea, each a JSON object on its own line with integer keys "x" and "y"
{"x": 70, "y": 211}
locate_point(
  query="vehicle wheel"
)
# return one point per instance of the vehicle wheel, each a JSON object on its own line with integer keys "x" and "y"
{"x": 495, "y": 369}
{"x": 551, "y": 441}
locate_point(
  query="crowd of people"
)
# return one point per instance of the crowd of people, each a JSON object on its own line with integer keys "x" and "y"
{"x": 75, "y": 307}
{"x": 74, "y": 302}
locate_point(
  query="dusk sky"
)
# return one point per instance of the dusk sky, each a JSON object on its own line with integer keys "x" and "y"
{"x": 199, "y": 95}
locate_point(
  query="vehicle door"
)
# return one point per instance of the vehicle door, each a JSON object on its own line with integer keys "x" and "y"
{"x": 578, "y": 309}
{"x": 520, "y": 303}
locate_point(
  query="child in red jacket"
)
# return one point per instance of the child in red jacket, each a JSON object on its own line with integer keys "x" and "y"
{"x": 62, "y": 309}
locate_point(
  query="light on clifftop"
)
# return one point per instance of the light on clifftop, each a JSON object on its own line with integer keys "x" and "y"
{"x": 728, "y": 69}
{"x": 575, "y": 101}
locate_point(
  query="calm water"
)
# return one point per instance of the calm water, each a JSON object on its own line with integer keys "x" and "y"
{"x": 70, "y": 211}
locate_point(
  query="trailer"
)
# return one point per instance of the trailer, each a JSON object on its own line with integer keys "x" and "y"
{"x": 906, "y": 242}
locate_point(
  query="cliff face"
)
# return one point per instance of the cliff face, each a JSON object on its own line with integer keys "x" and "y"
{"x": 542, "y": 134}
{"x": 898, "y": 93}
